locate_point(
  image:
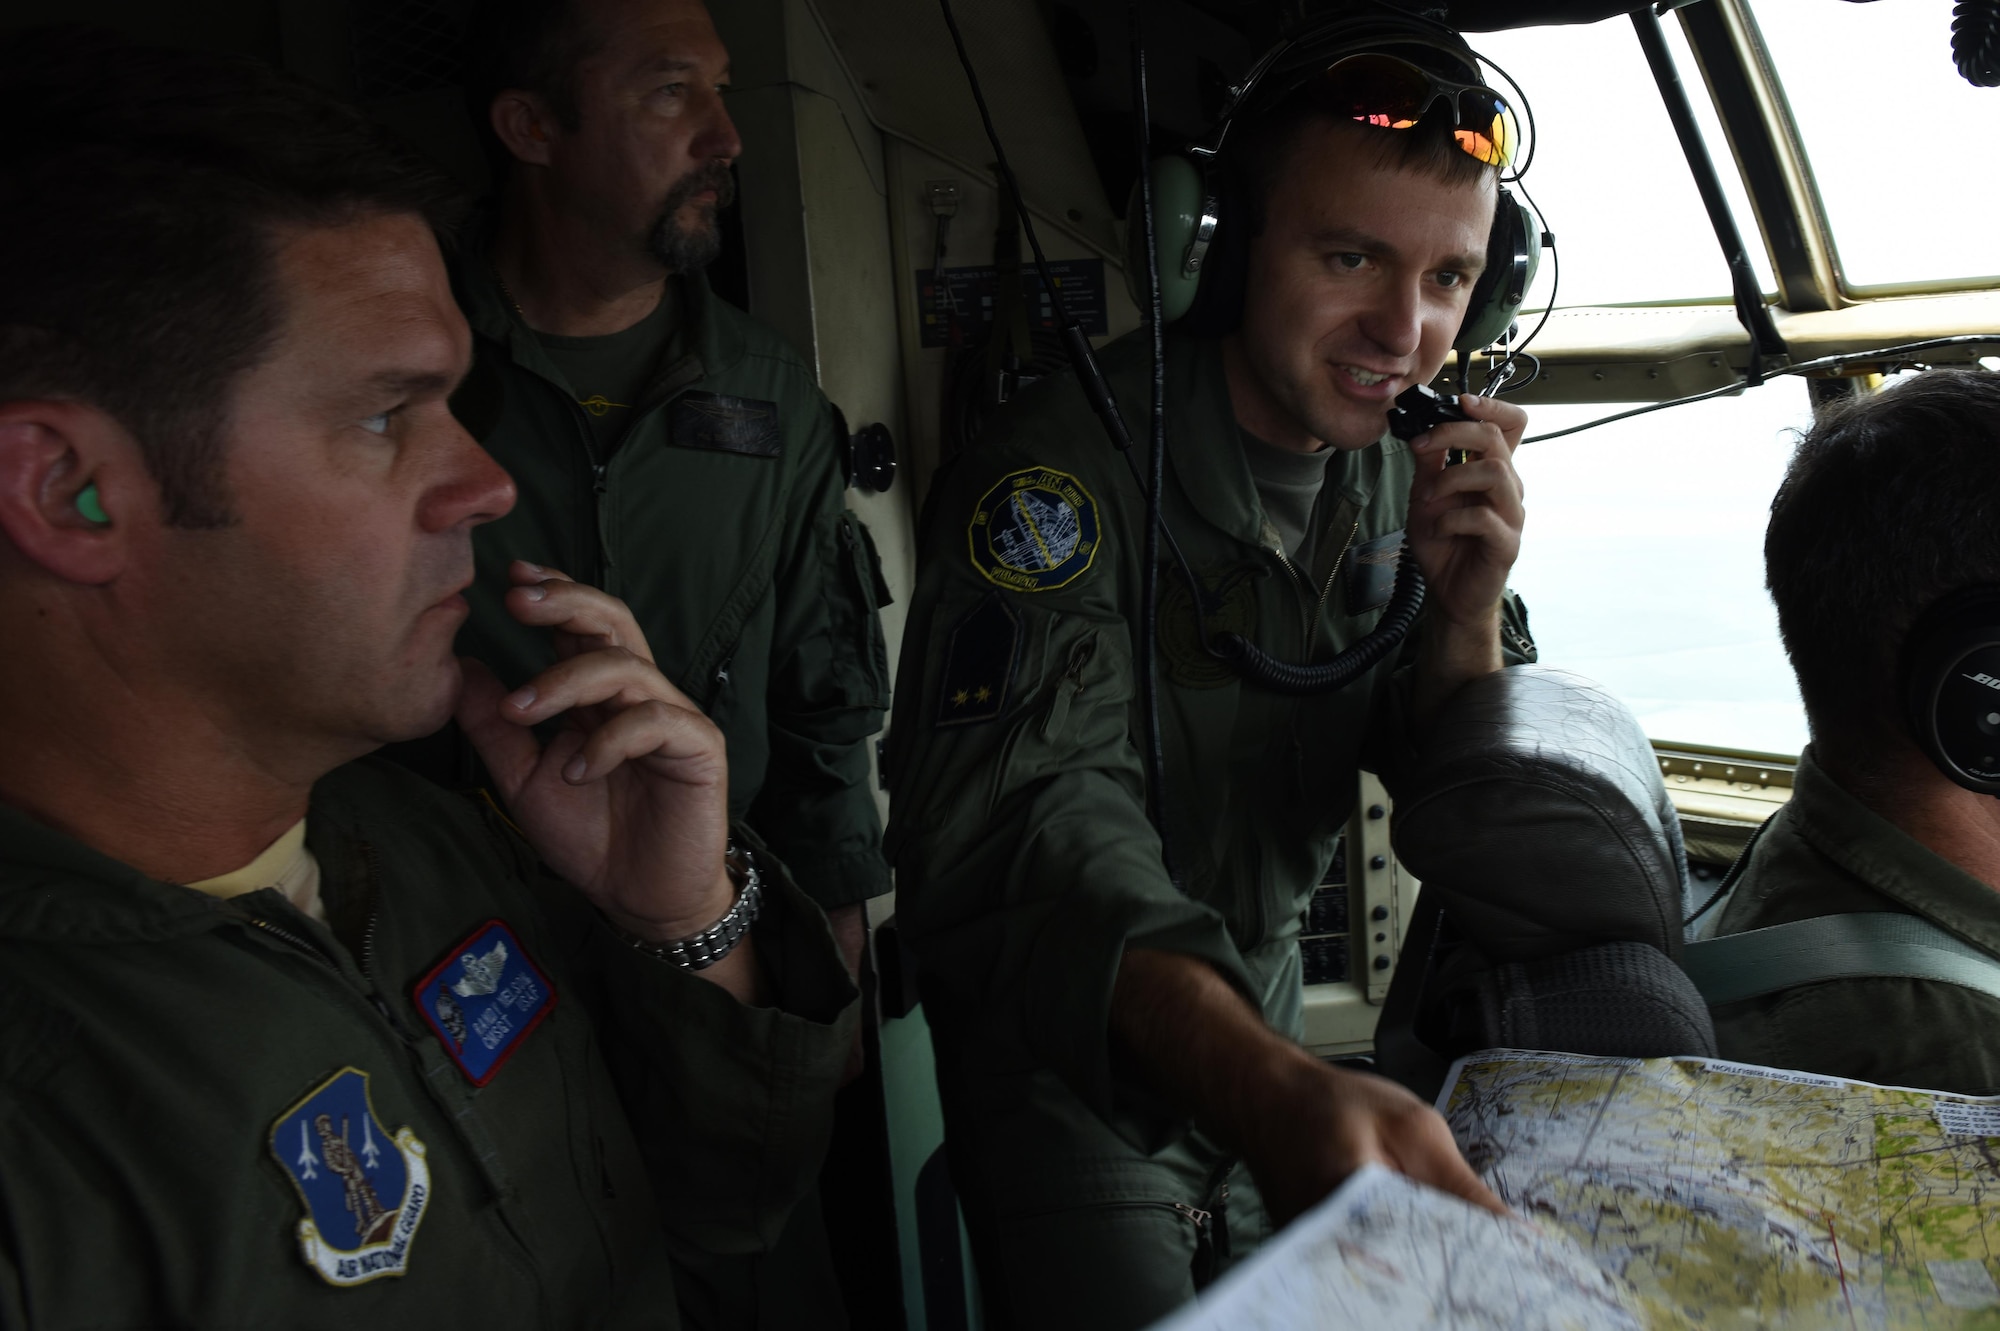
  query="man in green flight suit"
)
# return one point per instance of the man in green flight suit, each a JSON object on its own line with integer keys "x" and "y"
{"x": 669, "y": 448}
{"x": 1884, "y": 527}
{"x": 288, "y": 1036}
{"x": 1111, "y": 1043}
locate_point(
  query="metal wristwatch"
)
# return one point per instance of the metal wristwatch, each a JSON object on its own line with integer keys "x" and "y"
{"x": 712, "y": 944}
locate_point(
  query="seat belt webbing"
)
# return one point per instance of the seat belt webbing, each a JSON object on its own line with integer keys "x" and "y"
{"x": 1866, "y": 945}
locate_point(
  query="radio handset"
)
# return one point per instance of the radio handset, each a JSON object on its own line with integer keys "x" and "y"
{"x": 1420, "y": 408}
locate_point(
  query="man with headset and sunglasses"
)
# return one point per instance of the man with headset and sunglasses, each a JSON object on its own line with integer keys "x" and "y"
{"x": 1116, "y": 1019}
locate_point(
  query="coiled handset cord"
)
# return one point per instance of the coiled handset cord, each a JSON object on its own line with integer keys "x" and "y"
{"x": 1975, "y": 41}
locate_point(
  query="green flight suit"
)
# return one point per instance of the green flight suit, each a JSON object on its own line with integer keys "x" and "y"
{"x": 1827, "y": 853}
{"x": 633, "y": 1154}
{"x": 719, "y": 519}
{"x": 1025, "y": 861}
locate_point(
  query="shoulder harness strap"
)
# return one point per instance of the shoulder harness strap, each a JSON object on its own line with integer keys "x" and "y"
{"x": 1866, "y": 945}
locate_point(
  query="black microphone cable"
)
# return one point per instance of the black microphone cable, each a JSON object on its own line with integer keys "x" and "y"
{"x": 1149, "y": 594}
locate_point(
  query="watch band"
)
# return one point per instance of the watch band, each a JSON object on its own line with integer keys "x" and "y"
{"x": 712, "y": 944}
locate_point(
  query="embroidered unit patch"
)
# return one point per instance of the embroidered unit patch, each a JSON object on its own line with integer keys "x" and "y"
{"x": 1185, "y": 631}
{"x": 727, "y": 424}
{"x": 979, "y": 663}
{"x": 483, "y": 999}
{"x": 1034, "y": 531}
{"x": 1371, "y": 572}
{"x": 364, "y": 1189}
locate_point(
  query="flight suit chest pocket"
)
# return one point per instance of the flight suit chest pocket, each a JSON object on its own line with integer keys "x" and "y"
{"x": 858, "y": 594}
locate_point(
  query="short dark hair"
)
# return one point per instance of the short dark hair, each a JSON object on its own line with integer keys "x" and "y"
{"x": 141, "y": 189}
{"x": 528, "y": 45}
{"x": 1890, "y": 502}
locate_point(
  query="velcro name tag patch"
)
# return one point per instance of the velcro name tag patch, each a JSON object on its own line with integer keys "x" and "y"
{"x": 364, "y": 1188}
{"x": 1034, "y": 531}
{"x": 1371, "y": 572}
{"x": 726, "y": 424}
{"x": 483, "y": 999}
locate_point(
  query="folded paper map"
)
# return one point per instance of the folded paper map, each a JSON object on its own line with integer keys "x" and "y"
{"x": 1658, "y": 1193}
{"x": 1728, "y": 1196}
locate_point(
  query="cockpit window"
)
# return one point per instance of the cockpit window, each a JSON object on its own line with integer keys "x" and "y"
{"x": 1608, "y": 172}
{"x": 1643, "y": 562}
{"x": 1894, "y": 134}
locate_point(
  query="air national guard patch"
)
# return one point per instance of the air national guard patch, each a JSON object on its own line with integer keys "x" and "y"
{"x": 1034, "y": 531}
{"x": 979, "y": 663}
{"x": 365, "y": 1190}
{"x": 483, "y": 999}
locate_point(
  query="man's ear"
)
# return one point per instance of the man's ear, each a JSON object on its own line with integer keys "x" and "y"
{"x": 73, "y": 489}
{"x": 524, "y": 125}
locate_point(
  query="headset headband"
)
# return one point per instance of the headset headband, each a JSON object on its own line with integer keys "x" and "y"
{"x": 1295, "y": 61}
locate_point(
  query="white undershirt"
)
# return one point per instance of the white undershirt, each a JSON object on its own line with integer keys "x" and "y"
{"x": 285, "y": 864}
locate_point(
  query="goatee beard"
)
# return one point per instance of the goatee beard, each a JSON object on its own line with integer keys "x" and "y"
{"x": 684, "y": 250}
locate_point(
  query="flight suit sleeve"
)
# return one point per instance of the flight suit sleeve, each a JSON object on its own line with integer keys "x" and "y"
{"x": 829, "y": 685}
{"x": 731, "y": 1105}
{"x": 1026, "y": 864}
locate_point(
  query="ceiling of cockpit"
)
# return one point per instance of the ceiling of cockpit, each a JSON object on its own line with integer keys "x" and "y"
{"x": 1258, "y": 19}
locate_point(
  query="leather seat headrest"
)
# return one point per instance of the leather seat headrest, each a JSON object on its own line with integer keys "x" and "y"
{"x": 1537, "y": 811}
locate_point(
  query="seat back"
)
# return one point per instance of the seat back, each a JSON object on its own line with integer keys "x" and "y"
{"x": 1554, "y": 885}
{"x": 1537, "y": 813}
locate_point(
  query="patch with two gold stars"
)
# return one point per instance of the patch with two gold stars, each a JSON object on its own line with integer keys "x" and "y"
{"x": 1034, "y": 531}
{"x": 979, "y": 663}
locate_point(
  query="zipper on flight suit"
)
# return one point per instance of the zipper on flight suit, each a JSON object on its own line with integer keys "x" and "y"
{"x": 1069, "y": 687}
{"x": 1299, "y": 578}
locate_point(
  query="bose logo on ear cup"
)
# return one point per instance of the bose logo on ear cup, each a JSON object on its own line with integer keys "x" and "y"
{"x": 1950, "y": 671}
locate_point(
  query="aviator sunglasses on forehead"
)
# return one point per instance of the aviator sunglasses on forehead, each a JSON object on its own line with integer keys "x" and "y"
{"x": 1389, "y": 92}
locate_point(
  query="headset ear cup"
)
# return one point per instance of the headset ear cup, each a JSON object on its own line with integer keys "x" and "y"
{"x": 1177, "y": 207}
{"x": 1513, "y": 255}
{"x": 1949, "y": 670}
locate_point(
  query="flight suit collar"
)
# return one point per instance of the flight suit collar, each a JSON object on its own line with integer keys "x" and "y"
{"x": 712, "y": 345}
{"x": 55, "y": 889}
{"x": 1889, "y": 860}
{"x": 1205, "y": 449}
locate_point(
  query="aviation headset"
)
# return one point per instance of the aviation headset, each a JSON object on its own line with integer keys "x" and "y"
{"x": 1950, "y": 668}
{"x": 1201, "y": 210}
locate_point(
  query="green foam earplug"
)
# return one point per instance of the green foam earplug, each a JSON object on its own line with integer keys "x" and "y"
{"x": 88, "y": 504}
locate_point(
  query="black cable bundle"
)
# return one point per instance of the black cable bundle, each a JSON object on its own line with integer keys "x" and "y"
{"x": 1258, "y": 666}
{"x": 1975, "y": 41}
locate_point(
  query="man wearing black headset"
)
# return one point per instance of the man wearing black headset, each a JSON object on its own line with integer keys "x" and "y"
{"x": 1883, "y": 556}
{"x": 1116, "y": 1019}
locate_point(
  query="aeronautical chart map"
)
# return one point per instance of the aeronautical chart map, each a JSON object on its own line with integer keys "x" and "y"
{"x": 1726, "y": 1196}
{"x": 1383, "y": 1254}
{"x": 1659, "y": 1193}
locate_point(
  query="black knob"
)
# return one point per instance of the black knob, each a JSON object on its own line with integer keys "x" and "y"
{"x": 1377, "y": 811}
{"x": 1381, "y": 963}
{"x": 1378, "y": 861}
{"x": 871, "y": 458}
{"x": 1379, "y": 913}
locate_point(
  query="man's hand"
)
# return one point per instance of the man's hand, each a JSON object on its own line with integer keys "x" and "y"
{"x": 630, "y": 800}
{"x": 1319, "y": 1124}
{"x": 1302, "y": 1127}
{"x": 1465, "y": 530}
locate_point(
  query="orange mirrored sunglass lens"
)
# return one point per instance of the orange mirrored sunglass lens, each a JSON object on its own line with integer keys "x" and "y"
{"x": 1391, "y": 93}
